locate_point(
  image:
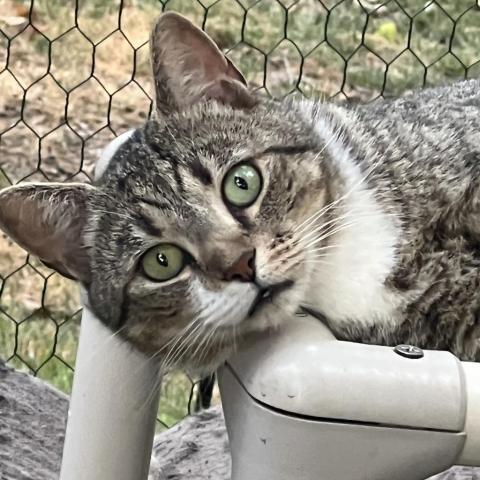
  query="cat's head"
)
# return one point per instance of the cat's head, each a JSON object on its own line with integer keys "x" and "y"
{"x": 199, "y": 230}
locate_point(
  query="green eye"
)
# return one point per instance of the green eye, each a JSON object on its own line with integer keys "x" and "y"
{"x": 163, "y": 262}
{"x": 242, "y": 185}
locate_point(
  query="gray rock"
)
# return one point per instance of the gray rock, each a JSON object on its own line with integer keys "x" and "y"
{"x": 196, "y": 448}
{"x": 32, "y": 429}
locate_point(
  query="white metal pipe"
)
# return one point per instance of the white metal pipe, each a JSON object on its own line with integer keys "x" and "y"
{"x": 112, "y": 409}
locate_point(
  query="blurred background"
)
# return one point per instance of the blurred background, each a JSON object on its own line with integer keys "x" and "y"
{"x": 75, "y": 73}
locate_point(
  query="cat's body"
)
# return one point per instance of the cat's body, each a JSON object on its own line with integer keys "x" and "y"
{"x": 420, "y": 155}
{"x": 226, "y": 214}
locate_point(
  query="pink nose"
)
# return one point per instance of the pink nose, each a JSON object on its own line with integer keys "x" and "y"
{"x": 242, "y": 269}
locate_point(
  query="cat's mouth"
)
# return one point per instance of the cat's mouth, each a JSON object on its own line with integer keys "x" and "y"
{"x": 266, "y": 295}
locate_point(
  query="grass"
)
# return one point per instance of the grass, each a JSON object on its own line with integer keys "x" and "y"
{"x": 67, "y": 91}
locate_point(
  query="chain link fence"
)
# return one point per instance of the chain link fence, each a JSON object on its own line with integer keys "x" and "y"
{"x": 75, "y": 73}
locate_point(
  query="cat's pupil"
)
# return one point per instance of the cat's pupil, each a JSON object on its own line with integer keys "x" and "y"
{"x": 241, "y": 183}
{"x": 162, "y": 260}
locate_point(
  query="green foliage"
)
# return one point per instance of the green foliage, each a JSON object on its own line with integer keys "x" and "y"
{"x": 176, "y": 393}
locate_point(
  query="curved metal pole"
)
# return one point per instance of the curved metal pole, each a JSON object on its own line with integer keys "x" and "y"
{"x": 112, "y": 409}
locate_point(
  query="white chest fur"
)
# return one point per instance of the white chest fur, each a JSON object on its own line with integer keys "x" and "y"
{"x": 348, "y": 285}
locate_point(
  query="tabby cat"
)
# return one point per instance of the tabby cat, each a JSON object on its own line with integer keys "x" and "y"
{"x": 226, "y": 213}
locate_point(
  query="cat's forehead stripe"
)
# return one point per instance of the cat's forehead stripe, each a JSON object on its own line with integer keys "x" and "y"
{"x": 199, "y": 171}
{"x": 289, "y": 149}
{"x": 147, "y": 224}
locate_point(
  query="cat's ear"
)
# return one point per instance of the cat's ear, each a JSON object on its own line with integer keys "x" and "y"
{"x": 188, "y": 68}
{"x": 48, "y": 220}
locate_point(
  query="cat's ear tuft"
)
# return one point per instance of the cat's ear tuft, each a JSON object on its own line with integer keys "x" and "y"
{"x": 48, "y": 220}
{"x": 188, "y": 68}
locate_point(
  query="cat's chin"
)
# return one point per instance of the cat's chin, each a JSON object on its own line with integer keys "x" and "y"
{"x": 238, "y": 327}
{"x": 230, "y": 339}
{"x": 269, "y": 317}
{"x": 218, "y": 354}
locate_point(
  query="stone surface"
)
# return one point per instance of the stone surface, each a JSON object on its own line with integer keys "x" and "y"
{"x": 32, "y": 427}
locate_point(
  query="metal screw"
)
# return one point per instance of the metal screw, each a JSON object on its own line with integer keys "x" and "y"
{"x": 409, "y": 351}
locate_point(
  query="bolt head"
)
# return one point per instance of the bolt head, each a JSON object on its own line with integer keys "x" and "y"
{"x": 409, "y": 351}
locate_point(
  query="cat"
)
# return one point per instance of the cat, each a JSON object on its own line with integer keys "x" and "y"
{"x": 226, "y": 213}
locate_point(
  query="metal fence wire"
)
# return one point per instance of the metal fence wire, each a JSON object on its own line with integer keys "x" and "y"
{"x": 74, "y": 74}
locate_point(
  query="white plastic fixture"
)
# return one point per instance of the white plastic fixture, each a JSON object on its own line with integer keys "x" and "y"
{"x": 113, "y": 408}
{"x": 298, "y": 405}
{"x": 302, "y": 405}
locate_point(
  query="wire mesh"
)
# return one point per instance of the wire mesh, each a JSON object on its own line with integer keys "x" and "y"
{"x": 74, "y": 74}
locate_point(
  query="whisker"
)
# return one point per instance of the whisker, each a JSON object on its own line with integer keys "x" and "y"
{"x": 315, "y": 216}
{"x": 331, "y": 232}
{"x": 347, "y": 215}
{"x": 336, "y": 229}
{"x": 321, "y": 262}
{"x": 206, "y": 333}
{"x": 331, "y": 205}
{"x": 322, "y": 226}
{"x": 174, "y": 338}
{"x": 156, "y": 354}
{"x": 323, "y": 248}
{"x": 181, "y": 342}
{"x": 203, "y": 352}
